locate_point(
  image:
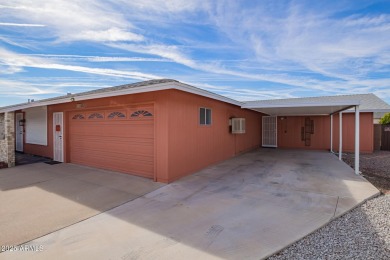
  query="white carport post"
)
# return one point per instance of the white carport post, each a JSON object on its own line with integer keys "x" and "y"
{"x": 340, "y": 135}
{"x": 331, "y": 133}
{"x": 357, "y": 141}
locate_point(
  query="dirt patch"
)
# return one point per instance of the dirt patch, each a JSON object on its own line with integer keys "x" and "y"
{"x": 375, "y": 168}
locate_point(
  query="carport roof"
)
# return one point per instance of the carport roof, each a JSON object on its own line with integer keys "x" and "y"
{"x": 319, "y": 105}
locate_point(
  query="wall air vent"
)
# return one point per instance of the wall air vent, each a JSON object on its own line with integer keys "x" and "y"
{"x": 238, "y": 125}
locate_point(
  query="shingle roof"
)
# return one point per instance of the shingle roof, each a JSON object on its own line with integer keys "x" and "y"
{"x": 127, "y": 86}
{"x": 368, "y": 102}
{"x": 109, "y": 89}
{"x": 101, "y": 90}
{"x": 139, "y": 87}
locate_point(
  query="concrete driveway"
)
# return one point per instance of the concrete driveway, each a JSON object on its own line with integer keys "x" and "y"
{"x": 245, "y": 208}
{"x": 37, "y": 199}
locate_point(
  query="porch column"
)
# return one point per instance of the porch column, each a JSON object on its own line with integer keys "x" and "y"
{"x": 340, "y": 135}
{"x": 357, "y": 139}
{"x": 7, "y": 139}
{"x": 331, "y": 133}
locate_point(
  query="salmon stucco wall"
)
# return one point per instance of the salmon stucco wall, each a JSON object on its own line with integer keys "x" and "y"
{"x": 193, "y": 146}
{"x": 289, "y": 132}
{"x": 182, "y": 146}
{"x": 158, "y": 98}
{"x": 41, "y": 150}
{"x": 366, "y": 132}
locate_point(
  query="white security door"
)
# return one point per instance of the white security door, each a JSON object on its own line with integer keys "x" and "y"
{"x": 19, "y": 132}
{"x": 269, "y": 131}
{"x": 58, "y": 131}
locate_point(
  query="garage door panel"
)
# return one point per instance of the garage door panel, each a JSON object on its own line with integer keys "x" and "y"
{"x": 120, "y": 144}
{"x": 111, "y": 139}
{"x": 123, "y": 147}
{"x": 117, "y": 157}
{"x": 104, "y": 133}
{"x": 139, "y": 168}
{"x": 113, "y": 163}
{"x": 130, "y": 130}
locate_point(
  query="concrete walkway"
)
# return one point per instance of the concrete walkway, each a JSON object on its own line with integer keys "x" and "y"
{"x": 245, "y": 208}
{"x": 37, "y": 199}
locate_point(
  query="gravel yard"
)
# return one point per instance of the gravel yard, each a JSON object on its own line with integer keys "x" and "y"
{"x": 375, "y": 168}
{"x": 363, "y": 233}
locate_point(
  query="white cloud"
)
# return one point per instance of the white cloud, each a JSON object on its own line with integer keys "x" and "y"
{"x": 9, "y": 58}
{"x": 90, "y": 20}
{"x": 111, "y": 35}
{"x": 163, "y": 6}
{"x": 20, "y": 88}
{"x": 309, "y": 38}
{"x": 301, "y": 46}
{"x": 243, "y": 94}
{"x": 170, "y": 52}
{"x": 22, "y": 24}
{"x": 98, "y": 58}
{"x": 18, "y": 43}
{"x": 173, "y": 53}
{"x": 10, "y": 69}
{"x": 19, "y": 91}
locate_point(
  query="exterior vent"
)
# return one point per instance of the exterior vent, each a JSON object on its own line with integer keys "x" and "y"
{"x": 238, "y": 125}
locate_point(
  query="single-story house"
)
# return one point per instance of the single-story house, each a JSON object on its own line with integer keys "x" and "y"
{"x": 165, "y": 129}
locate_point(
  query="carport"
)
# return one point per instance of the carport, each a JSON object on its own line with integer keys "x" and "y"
{"x": 306, "y": 107}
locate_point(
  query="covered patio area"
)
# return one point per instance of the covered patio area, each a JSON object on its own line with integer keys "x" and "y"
{"x": 304, "y": 108}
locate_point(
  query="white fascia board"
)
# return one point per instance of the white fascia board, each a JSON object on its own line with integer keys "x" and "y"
{"x": 286, "y": 115}
{"x": 150, "y": 88}
{"x": 369, "y": 110}
{"x": 317, "y": 104}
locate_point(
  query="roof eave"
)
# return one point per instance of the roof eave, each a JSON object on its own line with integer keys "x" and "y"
{"x": 142, "y": 89}
{"x": 325, "y": 104}
{"x": 370, "y": 110}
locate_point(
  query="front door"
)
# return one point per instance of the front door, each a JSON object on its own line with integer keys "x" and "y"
{"x": 19, "y": 132}
{"x": 58, "y": 130}
{"x": 269, "y": 131}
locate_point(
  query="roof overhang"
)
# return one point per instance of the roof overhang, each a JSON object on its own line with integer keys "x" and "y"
{"x": 143, "y": 89}
{"x": 374, "y": 110}
{"x": 300, "y": 109}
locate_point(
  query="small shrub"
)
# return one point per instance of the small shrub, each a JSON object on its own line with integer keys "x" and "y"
{"x": 385, "y": 119}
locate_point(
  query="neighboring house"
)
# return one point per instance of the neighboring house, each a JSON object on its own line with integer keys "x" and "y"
{"x": 164, "y": 129}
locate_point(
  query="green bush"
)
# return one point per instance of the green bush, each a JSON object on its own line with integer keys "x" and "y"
{"x": 385, "y": 119}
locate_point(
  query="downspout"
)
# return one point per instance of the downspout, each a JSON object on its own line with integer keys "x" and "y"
{"x": 331, "y": 133}
{"x": 340, "y": 135}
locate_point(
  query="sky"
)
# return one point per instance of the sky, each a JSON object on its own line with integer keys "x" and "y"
{"x": 245, "y": 50}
